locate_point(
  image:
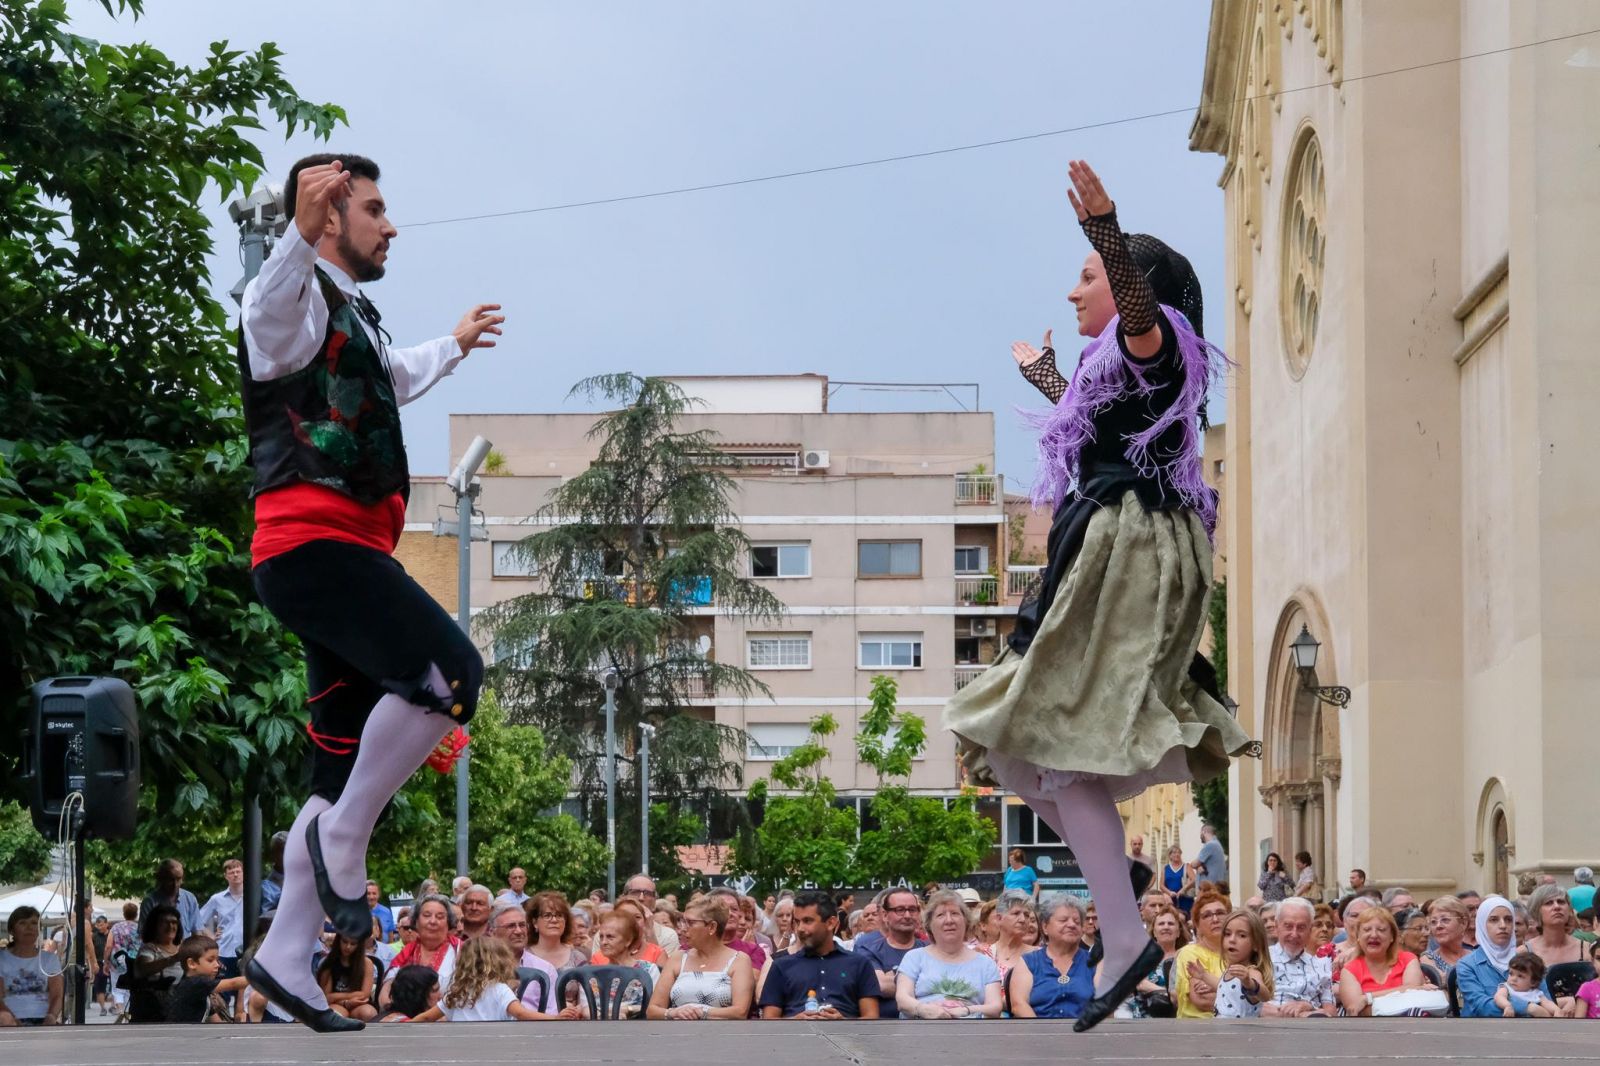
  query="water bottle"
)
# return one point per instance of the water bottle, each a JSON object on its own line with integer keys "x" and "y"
{"x": 812, "y": 1003}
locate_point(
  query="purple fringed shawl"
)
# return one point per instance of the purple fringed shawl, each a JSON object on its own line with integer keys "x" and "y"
{"x": 1103, "y": 375}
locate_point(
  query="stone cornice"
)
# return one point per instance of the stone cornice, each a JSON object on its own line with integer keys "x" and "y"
{"x": 1222, "y": 83}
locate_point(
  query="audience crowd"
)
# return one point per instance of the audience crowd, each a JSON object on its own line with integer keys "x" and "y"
{"x": 480, "y": 954}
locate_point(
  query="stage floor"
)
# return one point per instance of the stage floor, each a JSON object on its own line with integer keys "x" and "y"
{"x": 811, "y": 1043}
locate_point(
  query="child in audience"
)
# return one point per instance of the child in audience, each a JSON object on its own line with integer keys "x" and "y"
{"x": 197, "y": 997}
{"x": 1247, "y": 980}
{"x": 484, "y": 986}
{"x": 1523, "y": 975}
{"x": 1589, "y": 991}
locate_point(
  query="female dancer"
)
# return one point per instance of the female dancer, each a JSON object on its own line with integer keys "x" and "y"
{"x": 1101, "y": 693}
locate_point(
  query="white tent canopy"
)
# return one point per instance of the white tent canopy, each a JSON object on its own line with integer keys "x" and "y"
{"x": 44, "y": 898}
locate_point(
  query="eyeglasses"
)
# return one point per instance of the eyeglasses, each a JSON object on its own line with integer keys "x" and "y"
{"x": 686, "y": 920}
{"x": 1213, "y": 915}
{"x": 513, "y": 925}
{"x": 901, "y": 910}
{"x": 545, "y": 916}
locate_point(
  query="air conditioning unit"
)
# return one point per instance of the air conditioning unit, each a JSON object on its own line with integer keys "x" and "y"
{"x": 815, "y": 460}
{"x": 982, "y": 627}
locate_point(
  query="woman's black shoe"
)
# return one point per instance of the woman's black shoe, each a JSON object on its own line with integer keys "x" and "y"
{"x": 325, "y": 1020}
{"x": 352, "y": 918}
{"x": 1100, "y": 1007}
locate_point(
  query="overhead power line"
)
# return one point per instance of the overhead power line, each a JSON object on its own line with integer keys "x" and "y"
{"x": 976, "y": 145}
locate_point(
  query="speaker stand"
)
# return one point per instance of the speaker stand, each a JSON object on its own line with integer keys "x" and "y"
{"x": 80, "y": 911}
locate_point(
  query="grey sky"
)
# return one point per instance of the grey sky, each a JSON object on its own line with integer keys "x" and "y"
{"x": 924, "y": 270}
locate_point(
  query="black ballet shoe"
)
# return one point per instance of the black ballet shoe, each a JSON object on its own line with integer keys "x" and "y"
{"x": 326, "y": 1020}
{"x": 351, "y": 918}
{"x": 1141, "y": 876}
{"x": 1100, "y": 1007}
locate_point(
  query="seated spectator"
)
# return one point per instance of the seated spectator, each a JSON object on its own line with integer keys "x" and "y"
{"x": 1269, "y": 920}
{"x": 1480, "y": 975}
{"x": 821, "y": 982}
{"x": 1522, "y": 991}
{"x": 1381, "y": 968}
{"x": 413, "y": 993}
{"x": 734, "y": 935}
{"x": 1564, "y": 956}
{"x": 886, "y": 947}
{"x": 1019, "y": 929}
{"x": 1398, "y": 899}
{"x": 947, "y": 979}
{"x": 484, "y": 986}
{"x": 476, "y": 903}
{"x": 1585, "y": 925}
{"x": 1056, "y": 979}
{"x": 665, "y": 914}
{"x": 641, "y": 889}
{"x": 1302, "y": 983}
{"x": 458, "y": 888}
{"x": 1447, "y": 928}
{"x": 157, "y": 968}
{"x": 783, "y": 917}
{"x": 1581, "y": 894}
{"x": 1247, "y": 978}
{"x": 435, "y": 947}
{"x": 750, "y": 923}
{"x": 1323, "y": 926}
{"x": 585, "y": 916}
{"x": 621, "y": 944}
{"x": 508, "y": 921}
{"x": 30, "y": 994}
{"x": 197, "y": 997}
{"x": 709, "y": 980}
{"x": 1588, "y": 994}
{"x": 346, "y": 977}
{"x": 1152, "y": 997}
{"x": 988, "y": 925}
{"x": 1344, "y": 947}
{"x": 1473, "y": 901}
{"x": 1413, "y": 931}
{"x": 650, "y": 949}
{"x": 1523, "y": 918}
{"x": 553, "y": 931}
{"x": 1154, "y": 902}
{"x": 1197, "y": 969}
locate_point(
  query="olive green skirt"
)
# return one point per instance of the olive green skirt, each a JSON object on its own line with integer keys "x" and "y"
{"x": 1104, "y": 689}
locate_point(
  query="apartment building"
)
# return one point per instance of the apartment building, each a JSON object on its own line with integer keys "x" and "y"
{"x": 883, "y": 534}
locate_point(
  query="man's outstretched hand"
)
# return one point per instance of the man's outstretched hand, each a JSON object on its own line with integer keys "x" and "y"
{"x": 476, "y": 326}
{"x": 317, "y": 191}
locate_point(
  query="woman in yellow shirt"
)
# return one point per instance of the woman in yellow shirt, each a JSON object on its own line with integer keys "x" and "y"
{"x": 1197, "y": 969}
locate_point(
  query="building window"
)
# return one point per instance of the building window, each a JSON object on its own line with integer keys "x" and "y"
{"x": 509, "y": 562}
{"x": 890, "y": 651}
{"x": 889, "y": 558}
{"x": 775, "y": 651}
{"x": 972, "y": 559}
{"x": 780, "y": 560}
{"x": 1305, "y": 245}
{"x": 968, "y": 651}
{"x": 518, "y": 654}
{"x": 770, "y": 741}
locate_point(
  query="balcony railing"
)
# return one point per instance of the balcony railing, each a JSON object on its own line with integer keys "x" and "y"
{"x": 966, "y": 675}
{"x": 1019, "y": 579}
{"x": 977, "y": 590}
{"x": 977, "y": 490}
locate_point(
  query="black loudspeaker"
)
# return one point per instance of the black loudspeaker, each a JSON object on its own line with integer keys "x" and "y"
{"x": 83, "y": 736}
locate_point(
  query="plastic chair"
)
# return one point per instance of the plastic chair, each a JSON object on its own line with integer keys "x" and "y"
{"x": 527, "y": 975}
{"x": 613, "y": 983}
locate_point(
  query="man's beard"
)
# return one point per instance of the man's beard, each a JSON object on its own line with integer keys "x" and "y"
{"x": 362, "y": 267}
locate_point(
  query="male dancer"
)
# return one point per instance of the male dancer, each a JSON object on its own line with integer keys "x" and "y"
{"x": 388, "y": 671}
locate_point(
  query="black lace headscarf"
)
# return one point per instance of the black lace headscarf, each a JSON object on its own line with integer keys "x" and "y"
{"x": 1170, "y": 275}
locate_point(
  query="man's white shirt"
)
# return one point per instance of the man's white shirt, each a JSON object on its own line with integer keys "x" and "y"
{"x": 285, "y": 317}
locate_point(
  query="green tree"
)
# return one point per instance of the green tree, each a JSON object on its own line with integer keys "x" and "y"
{"x": 1211, "y": 798}
{"x": 918, "y": 838}
{"x": 802, "y": 834}
{"x": 124, "y": 520}
{"x": 636, "y": 541}
{"x": 24, "y": 853}
{"x": 513, "y": 794}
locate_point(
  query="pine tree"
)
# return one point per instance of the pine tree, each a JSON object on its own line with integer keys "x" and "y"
{"x": 635, "y": 544}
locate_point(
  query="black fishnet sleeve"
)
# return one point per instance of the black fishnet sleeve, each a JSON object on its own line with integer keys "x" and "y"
{"x": 1136, "y": 300}
{"x": 1043, "y": 375}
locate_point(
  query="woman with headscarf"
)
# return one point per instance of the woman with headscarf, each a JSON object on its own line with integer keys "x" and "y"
{"x": 1480, "y": 974}
{"x": 1101, "y": 692}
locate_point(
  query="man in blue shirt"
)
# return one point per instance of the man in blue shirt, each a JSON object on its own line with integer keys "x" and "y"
{"x": 821, "y": 982}
{"x": 1212, "y": 862}
{"x": 223, "y": 918}
{"x": 169, "y": 890}
{"x": 884, "y": 947}
{"x": 384, "y": 915}
{"x": 1020, "y": 875}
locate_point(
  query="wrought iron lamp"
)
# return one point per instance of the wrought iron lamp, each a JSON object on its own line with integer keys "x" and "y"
{"x": 1304, "y": 650}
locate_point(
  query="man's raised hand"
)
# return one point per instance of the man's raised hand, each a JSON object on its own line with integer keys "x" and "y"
{"x": 317, "y": 190}
{"x": 476, "y": 325}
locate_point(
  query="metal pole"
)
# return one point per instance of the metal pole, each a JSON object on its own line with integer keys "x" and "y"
{"x": 80, "y": 908}
{"x": 611, "y": 787}
{"x": 464, "y": 618}
{"x": 644, "y": 798}
{"x": 253, "y": 243}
